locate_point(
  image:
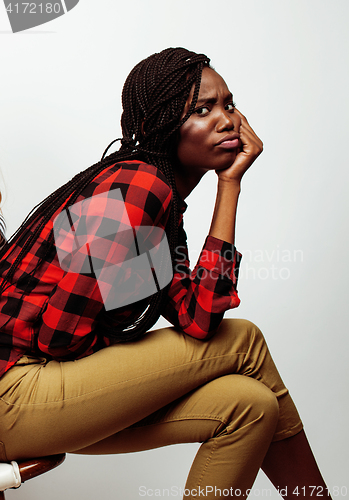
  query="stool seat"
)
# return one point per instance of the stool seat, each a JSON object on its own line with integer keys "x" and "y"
{"x": 12, "y": 475}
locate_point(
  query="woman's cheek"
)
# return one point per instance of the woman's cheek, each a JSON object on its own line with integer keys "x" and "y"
{"x": 193, "y": 143}
{"x": 195, "y": 134}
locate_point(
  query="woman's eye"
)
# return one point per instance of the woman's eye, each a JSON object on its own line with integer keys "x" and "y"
{"x": 202, "y": 111}
{"x": 230, "y": 106}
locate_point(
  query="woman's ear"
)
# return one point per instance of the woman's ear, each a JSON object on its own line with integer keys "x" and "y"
{"x": 142, "y": 128}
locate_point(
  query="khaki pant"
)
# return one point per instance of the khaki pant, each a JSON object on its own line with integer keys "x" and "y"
{"x": 166, "y": 388}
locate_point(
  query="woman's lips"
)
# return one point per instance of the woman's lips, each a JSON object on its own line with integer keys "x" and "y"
{"x": 229, "y": 144}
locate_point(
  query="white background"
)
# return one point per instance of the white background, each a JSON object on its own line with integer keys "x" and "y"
{"x": 286, "y": 61}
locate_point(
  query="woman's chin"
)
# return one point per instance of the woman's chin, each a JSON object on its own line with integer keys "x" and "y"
{"x": 225, "y": 165}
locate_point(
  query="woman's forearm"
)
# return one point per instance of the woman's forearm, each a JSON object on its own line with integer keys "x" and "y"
{"x": 224, "y": 215}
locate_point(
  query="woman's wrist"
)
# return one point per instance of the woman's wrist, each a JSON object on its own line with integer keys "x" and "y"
{"x": 232, "y": 186}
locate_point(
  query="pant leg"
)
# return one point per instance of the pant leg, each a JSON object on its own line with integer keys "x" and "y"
{"x": 235, "y": 418}
{"x": 53, "y": 407}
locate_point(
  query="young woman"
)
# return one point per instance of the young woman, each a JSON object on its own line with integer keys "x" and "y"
{"x": 80, "y": 377}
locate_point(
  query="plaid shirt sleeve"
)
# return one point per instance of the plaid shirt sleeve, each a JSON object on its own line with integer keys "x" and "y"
{"x": 198, "y": 299}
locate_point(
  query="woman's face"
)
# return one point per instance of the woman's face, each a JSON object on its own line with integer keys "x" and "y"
{"x": 209, "y": 139}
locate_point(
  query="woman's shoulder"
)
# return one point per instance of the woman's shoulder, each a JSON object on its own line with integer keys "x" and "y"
{"x": 142, "y": 187}
{"x": 135, "y": 172}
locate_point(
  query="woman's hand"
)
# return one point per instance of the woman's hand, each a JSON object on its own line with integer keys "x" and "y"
{"x": 251, "y": 148}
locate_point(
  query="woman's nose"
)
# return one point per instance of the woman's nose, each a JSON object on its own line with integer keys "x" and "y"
{"x": 228, "y": 121}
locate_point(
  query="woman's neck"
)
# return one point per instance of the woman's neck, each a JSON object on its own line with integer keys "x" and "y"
{"x": 185, "y": 182}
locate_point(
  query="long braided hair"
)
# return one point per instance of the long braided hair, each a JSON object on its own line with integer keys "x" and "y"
{"x": 153, "y": 98}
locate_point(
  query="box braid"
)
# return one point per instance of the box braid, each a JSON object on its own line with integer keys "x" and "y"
{"x": 153, "y": 98}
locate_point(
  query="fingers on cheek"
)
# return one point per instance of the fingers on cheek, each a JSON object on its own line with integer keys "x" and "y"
{"x": 246, "y": 133}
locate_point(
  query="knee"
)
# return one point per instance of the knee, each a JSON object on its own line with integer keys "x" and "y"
{"x": 265, "y": 403}
{"x": 251, "y": 402}
{"x": 241, "y": 400}
{"x": 258, "y": 397}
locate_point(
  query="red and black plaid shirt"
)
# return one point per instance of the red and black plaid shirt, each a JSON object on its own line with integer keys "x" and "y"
{"x": 59, "y": 314}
